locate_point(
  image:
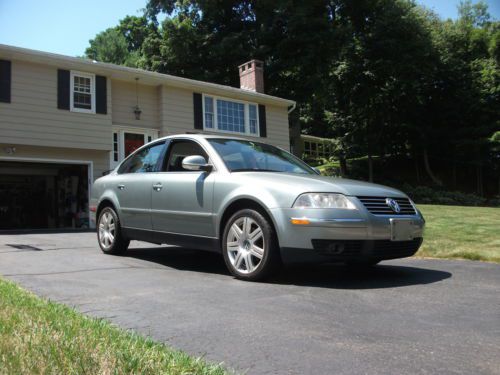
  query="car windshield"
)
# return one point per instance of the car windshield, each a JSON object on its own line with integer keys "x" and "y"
{"x": 242, "y": 156}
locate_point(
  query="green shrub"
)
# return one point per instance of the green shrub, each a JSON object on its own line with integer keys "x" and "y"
{"x": 427, "y": 195}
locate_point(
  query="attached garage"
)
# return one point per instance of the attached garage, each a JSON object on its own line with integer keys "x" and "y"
{"x": 44, "y": 194}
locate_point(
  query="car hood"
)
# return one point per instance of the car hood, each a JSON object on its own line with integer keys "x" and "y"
{"x": 299, "y": 183}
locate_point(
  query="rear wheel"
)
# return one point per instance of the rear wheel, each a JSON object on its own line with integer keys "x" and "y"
{"x": 250, "y": 247}
{"x": 109, "y": 233}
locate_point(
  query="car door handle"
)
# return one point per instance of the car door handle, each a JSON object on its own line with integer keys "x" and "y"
{"x": 157, "y": 187}
{"x": 121, "y": 187}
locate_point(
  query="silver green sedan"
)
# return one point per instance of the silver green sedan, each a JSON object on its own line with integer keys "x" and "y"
{"x": 256, "y": 204}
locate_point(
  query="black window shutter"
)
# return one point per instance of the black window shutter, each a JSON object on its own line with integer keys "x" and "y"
{"x": 5, "y": 80}
{"x": 63, "y": 89}
{"x": 198, "y": 111}
{"x": 262, "y": 121}
{"x": 100, "y": 95}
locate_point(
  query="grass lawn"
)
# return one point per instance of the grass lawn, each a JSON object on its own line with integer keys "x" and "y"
{"x": 461, "y": 232}
{"x": 38, "y": 336}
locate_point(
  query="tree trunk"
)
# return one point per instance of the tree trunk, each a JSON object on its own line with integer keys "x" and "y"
{"x": 454, "y": 175}
{"x": 370, "y": 167}
{"x": 479, "y": 173}
{"x": 417, "y": 170}
{"x": 429, "y": 170}
{"x": 343, "y": 167}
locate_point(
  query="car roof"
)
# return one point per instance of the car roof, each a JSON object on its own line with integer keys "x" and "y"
{"x": 203, "y": 136}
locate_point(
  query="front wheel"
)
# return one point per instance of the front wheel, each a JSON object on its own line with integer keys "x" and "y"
{"x": 250, "y": 247}
{"x": 109, "y": 234}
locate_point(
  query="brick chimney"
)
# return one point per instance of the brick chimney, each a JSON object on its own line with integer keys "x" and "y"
{"x": 252, "y": 76}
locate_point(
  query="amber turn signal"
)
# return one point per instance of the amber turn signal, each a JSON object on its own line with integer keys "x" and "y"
{"x": 299, "y": 221}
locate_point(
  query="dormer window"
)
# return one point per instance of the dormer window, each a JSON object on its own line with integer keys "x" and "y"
{"x": 82, "y": 92}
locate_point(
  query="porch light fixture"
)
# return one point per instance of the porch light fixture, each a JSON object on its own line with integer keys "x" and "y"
{"x": 137, "y": 109}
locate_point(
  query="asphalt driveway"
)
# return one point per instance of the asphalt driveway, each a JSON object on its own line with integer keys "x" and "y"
{"x": 403, "y": 317}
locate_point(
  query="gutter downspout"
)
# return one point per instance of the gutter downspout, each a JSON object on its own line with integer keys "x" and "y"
{"x": 292, "y": 144}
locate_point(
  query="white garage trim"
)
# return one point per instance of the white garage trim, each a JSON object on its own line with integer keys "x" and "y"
{"x": 90, "y": 171}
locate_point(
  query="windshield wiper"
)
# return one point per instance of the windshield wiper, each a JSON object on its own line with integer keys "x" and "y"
{"x": 254, "y": 170}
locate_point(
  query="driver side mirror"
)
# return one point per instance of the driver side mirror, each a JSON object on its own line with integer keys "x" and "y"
{"x": 196, "y": 163}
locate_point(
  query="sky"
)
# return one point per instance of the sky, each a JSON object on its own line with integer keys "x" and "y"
{"x": 65, "y": 26}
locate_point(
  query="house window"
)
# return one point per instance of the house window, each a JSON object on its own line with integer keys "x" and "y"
{"x": 307, "y": 148}
{"x": 82, "y": 92}
{"x": 230, "y": 116}
{"x": 252, "y": 114}
{"x": 209, "y": 112}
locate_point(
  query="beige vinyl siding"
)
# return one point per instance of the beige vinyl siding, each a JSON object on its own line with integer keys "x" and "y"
{"x": 177, "y": 111}
{"x": 100, "y": 159}
{"x": 177, "y": 117}
{"x": 32, "y": 117}
{"x": 124, "y": 101}
{"x": 277, "y": 126}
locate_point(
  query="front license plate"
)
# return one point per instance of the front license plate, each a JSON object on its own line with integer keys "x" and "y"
{"x": 401, "y": 229}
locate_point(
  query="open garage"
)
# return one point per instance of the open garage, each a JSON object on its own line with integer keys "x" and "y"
{"x": 43, "y": 195}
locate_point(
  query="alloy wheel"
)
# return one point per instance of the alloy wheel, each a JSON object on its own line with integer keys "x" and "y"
{"x": 107, "y": 230}
{"x": 245, "y": 245}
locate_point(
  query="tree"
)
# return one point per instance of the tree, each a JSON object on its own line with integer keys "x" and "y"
{"x": 122, "y": 44}
{"x": 109, "y": 46}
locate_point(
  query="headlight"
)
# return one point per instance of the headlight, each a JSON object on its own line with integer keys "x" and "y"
{"x": 323, "y": 200}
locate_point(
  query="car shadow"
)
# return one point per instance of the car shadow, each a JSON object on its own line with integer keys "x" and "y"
{"x": 183, "y": 259}
{"x": 329, "y": 275}
{"x": 339, "y": 276}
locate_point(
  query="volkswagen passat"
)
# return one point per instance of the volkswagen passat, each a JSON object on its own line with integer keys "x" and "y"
{"x": 254, "y": 202}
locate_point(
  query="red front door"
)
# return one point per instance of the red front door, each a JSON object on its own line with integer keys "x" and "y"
{"x": 132, "y": 142}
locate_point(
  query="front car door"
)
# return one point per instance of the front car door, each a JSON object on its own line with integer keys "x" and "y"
{"x": 134, "y": 185}
{"x": 182, "y": 203}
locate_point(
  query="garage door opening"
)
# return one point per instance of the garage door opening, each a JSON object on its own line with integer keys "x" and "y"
{"x": 43, "y": 196}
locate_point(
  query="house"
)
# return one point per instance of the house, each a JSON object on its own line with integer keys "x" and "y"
{"x": 65, "y": 121}
{"x": 312, "y": 147}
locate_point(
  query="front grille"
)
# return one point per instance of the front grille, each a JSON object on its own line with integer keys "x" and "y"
{"x": 378, "y": 206}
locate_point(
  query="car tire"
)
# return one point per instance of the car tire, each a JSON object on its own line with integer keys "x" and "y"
{"x": 250, "y": 246}
{"x": 109, "y": 233}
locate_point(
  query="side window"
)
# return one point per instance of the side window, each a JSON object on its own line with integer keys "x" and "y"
{"x": 178, "y": 151}
{"x": 143, "y": 161}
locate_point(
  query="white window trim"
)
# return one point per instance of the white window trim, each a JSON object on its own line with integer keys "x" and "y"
{"x": 246, "y": 114}
{"x": 75, "y": 73}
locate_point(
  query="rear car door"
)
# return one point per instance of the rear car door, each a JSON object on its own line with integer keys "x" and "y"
{"x": 183, "y": 200}
{"x": 134, "y": 185}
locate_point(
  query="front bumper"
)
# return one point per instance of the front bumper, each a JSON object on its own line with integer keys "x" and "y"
{"x": 332, "y": 234}
{"x": 348, "y": 250}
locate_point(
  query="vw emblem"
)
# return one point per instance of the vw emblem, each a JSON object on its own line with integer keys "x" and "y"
{"x": 393, "y": 205}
